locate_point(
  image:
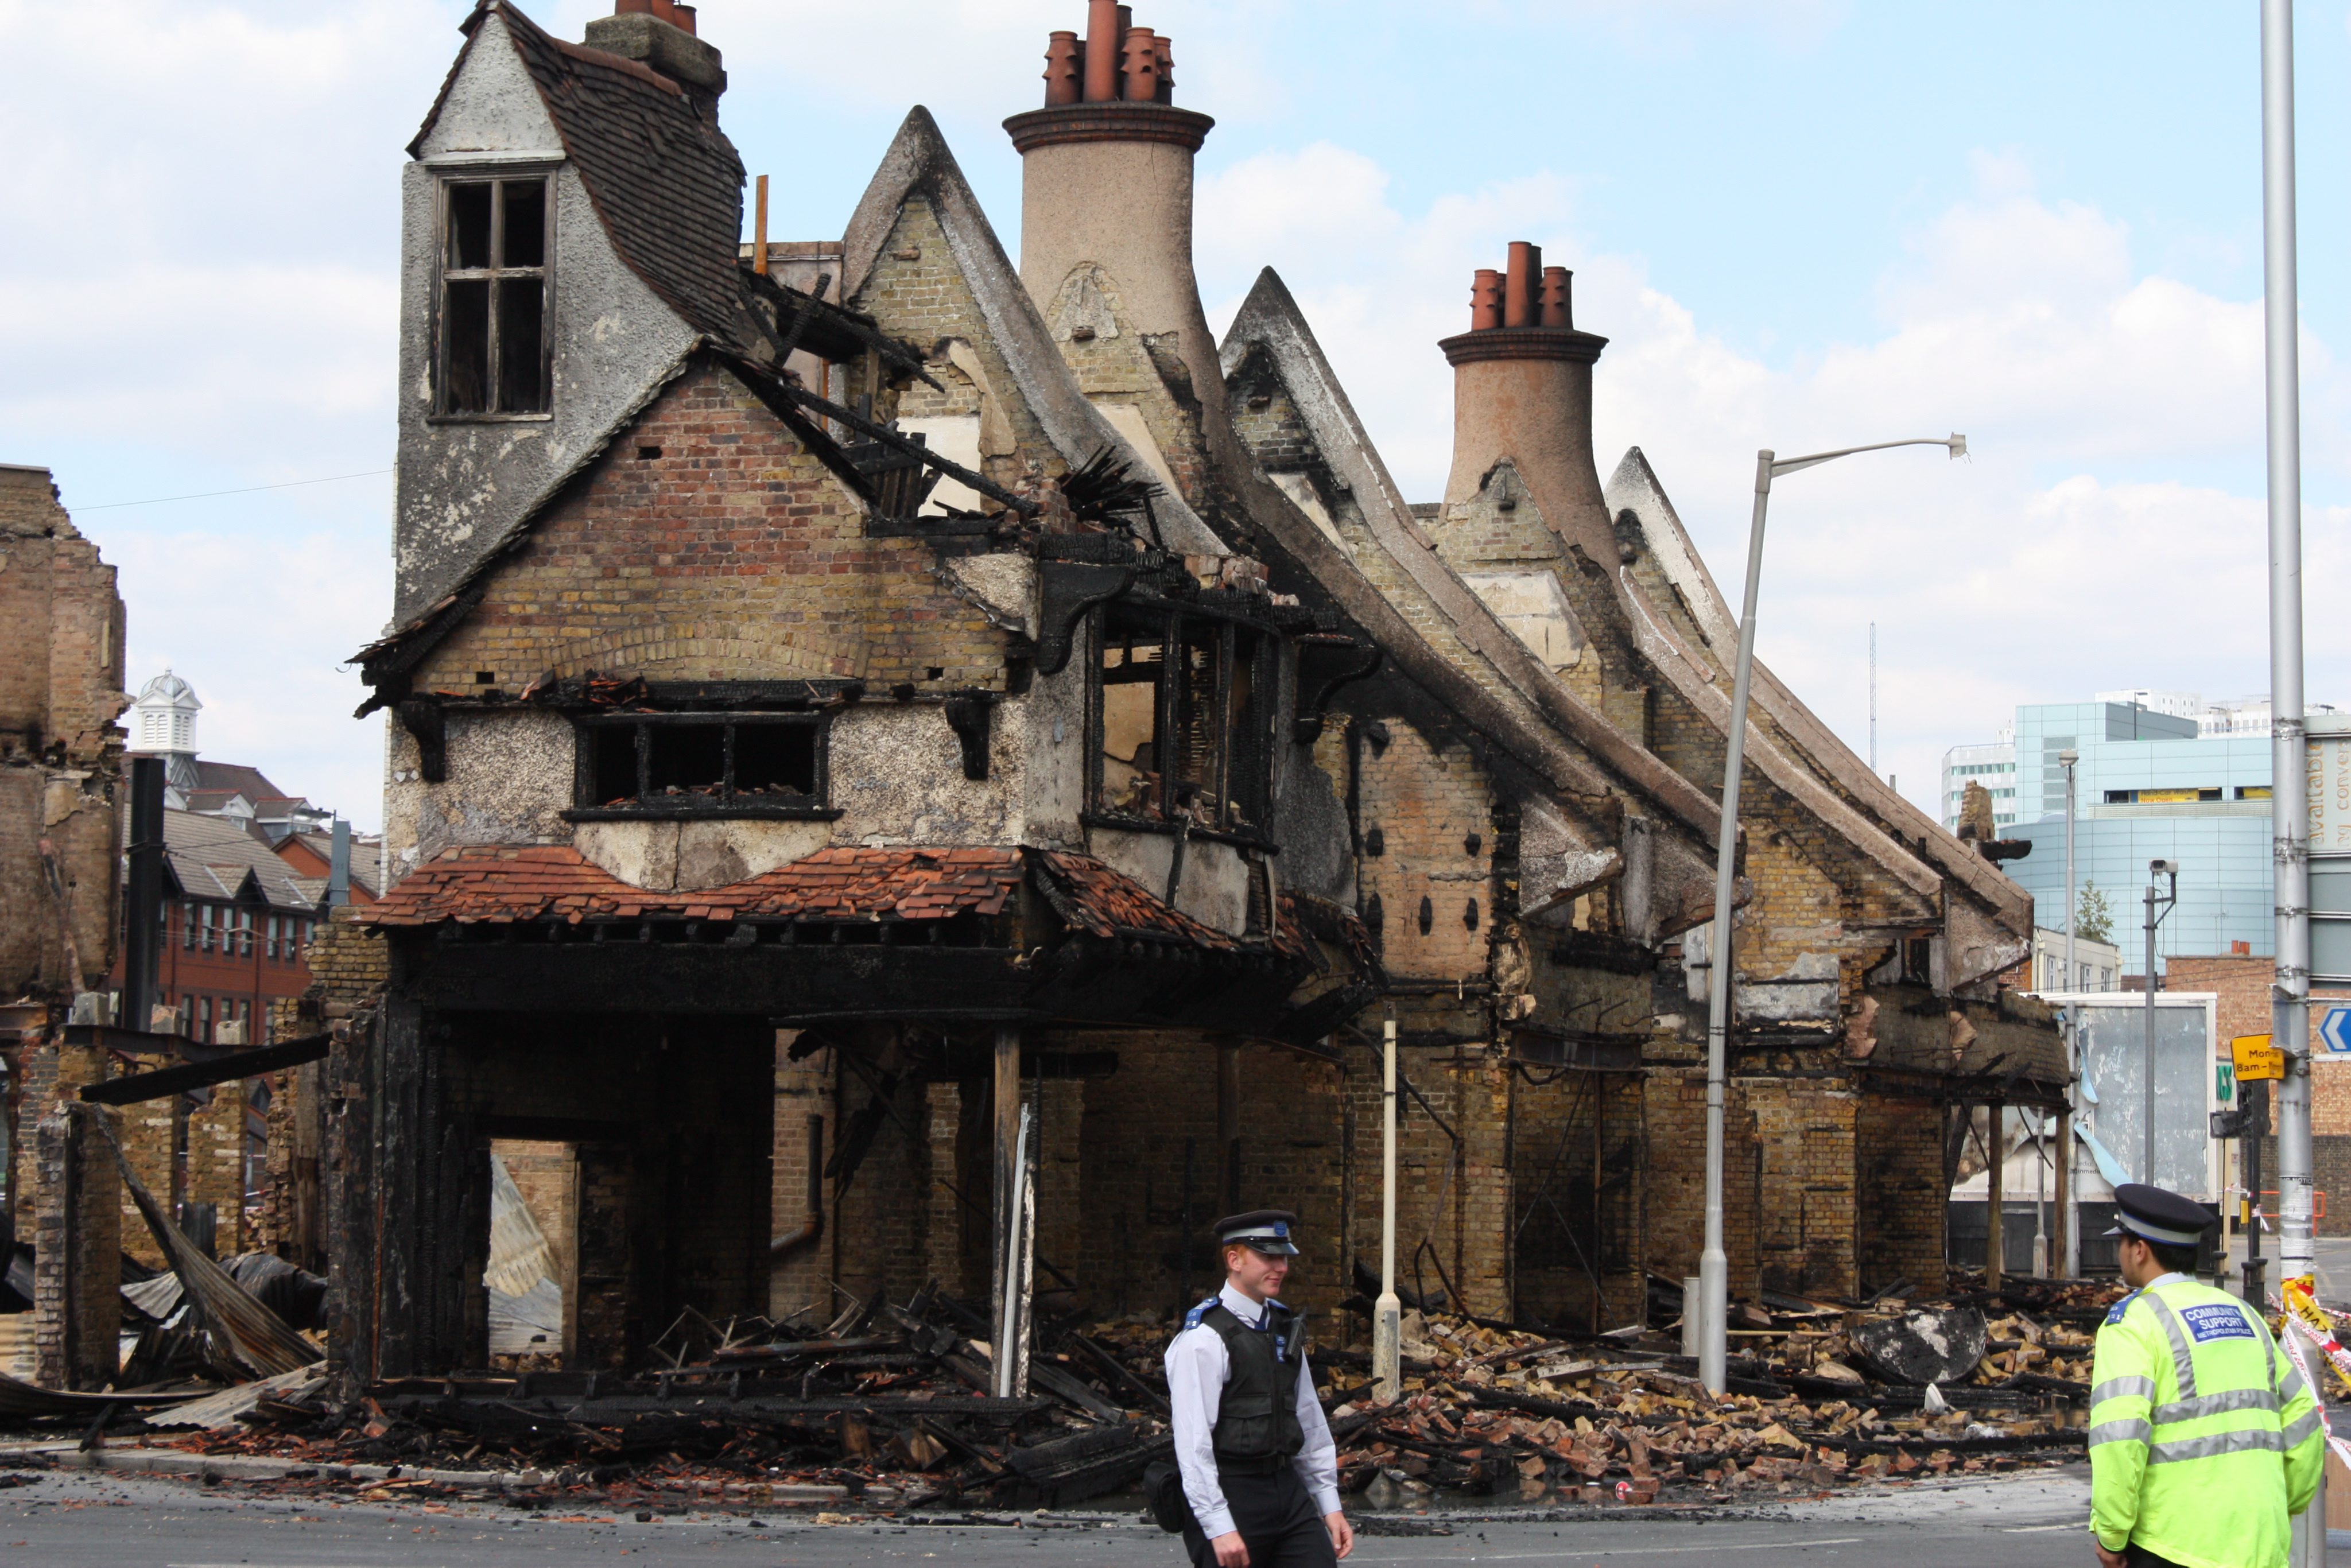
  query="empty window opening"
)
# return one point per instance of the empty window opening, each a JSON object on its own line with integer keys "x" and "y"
{"x": 1133, "y": 656}
{"x": 1181, "y": 728}
{"x": 686, "y": 759}
{"x": 533, "y": 1271}
{"x": 775, "y": 759}
{"x": 692, "y": 764}
{"x": 646, "y": 454}
{"x": 493, "y": 327}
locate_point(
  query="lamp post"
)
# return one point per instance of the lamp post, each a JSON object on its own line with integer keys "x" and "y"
{"x": 2169, "y": 902}
{"x": 2068, "y": 1231}
{"x": 1713, "y": 1263}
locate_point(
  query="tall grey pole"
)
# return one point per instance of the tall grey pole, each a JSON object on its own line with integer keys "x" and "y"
{"x": 2069, "y": 1229}
{"x": 2289, "y": 807}
{"x": 2147, "y": 1066}
{"x": 1713, "y": 1263}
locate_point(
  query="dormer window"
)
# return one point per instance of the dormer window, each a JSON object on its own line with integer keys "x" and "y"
{"x": 491, "y": 355}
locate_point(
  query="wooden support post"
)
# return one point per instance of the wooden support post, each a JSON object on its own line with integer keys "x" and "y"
{"x": 1993, "y": 1195}
{"x": 1228, "y": 1126}
{"x": 1007, "y": 1126}
{"x": 759, "y": 231}
{"x": 2060, "y": 1205}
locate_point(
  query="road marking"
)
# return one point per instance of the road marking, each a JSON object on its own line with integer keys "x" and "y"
{"x": 1578, "y": 1555}
{"x": 2039, "y": 1529}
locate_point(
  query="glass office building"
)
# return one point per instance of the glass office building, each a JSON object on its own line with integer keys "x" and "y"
{"x": 2147, "y": 787}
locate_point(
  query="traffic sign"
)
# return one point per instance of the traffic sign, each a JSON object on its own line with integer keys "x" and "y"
{"x": 2335, "y": 1033}
{"x": 2256, "y": 1058}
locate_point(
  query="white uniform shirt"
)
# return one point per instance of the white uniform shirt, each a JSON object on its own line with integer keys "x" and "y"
{"x": 1197, "y": 1366}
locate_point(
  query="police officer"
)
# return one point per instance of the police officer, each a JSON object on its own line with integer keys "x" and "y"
{"x": 1258, "y": 1466}
{"x": 2203, "y": 1438}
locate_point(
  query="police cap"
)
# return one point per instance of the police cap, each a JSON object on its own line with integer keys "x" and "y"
{"x": 2152, "y": 1214}
{"x": 1265, "y": 1230}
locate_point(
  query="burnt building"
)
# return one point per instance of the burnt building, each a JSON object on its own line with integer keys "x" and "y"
{"x": 849, "y": 693}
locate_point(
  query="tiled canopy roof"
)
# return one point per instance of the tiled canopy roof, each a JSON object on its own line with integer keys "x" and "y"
{"x": 515, "y": 884}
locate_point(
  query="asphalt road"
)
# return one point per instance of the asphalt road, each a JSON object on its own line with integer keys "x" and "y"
{"x": 70, "y": 1518}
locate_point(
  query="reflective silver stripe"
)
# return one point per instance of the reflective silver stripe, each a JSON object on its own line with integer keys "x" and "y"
{"x": 2123, "y": 1388}
{"x": 2179, "y": 1448}
{"x": 2215, "y": 1405}
{"x": 2289, "y": 1384}
{"x": 2182, "y": 1362}
{"x": 2298, "y": 1431}
{"x": 2132, "y": 1430}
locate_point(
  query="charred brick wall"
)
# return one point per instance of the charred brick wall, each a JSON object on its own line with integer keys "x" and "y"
{"x": 796, "y": 1282}
{"x": 1427, "y": 810}
{"x": 1143, "y": 1123}
{"x": 60, "y": 751}
{"x": 1903, "y": 1198}
{"x": 709, "y": 544}
{"x": 1578, "y": 1167}
{"x": 215, "y": 1142}
{"x": 154, "y": 1141}
{"x": 76, "y": 1237}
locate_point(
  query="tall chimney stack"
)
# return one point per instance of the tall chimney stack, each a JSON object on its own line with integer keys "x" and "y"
{"x": 1107, "y": 179}
{"x": 660, "y": 34}
{"x": 1522, "y": 389}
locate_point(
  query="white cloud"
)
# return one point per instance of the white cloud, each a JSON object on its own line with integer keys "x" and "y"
{"x": 2048, "y": 566}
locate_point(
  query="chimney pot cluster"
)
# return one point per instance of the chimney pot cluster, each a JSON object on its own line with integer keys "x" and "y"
{"x": 1116, "y": 61}
{"x": 670, "y": 11}
{"x": 1526, "y": 294}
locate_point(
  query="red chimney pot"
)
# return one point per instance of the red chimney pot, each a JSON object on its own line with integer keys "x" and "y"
{"x": 1139, "y": 52}
{"x": 632, "y": 7}
{"x": 1558, "y": 310}
{"x": 1519, "y": 286}
{"x": 1102, "y": 50}
{"x": 1064, "y": 69}
{"x": 1166, "y": 71}
{"x": 1485, "y": 300}
{"x": 682, "y": 16}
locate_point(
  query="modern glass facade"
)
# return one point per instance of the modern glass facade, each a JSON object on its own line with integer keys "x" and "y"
{"x": 2147, "y": 788}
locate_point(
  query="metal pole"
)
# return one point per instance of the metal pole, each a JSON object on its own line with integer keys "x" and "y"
{"x": 2069, "y": 1229}
{"x": 1713, "y": 1263}
{"x": 2289, "y": 805}
{"x": 2147, "y": 1117}
{"x": 1387, "y": 1315}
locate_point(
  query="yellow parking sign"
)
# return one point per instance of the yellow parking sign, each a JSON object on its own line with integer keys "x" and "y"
{"x": 2256, "y": 1058}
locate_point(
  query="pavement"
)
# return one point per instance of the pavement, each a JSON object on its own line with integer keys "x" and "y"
{"x": 66, "y": 1517}
{"x": 2331, "y": 1254}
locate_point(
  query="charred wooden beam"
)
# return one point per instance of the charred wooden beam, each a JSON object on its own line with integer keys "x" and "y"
{"x": 167, "y": 1080}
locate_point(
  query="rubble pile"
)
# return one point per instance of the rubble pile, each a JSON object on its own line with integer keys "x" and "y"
{"x": 891, "y": 1407}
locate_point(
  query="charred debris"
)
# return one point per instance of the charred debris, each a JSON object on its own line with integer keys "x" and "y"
{"x": 888, "y": 1407}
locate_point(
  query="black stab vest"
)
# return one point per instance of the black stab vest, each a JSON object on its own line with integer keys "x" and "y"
{"x": 1257, "y": 1418}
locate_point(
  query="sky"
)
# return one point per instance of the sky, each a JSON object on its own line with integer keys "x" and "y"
{"x": 1801, "y": 223}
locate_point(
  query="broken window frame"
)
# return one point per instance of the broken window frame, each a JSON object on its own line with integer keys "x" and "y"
{"x": 592, "y": 805}
{"x": 493, "y": 277}
{"x": 1243, "y": 816}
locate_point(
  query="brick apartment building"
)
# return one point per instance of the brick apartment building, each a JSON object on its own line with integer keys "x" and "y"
{"x": 2241, "y": 982}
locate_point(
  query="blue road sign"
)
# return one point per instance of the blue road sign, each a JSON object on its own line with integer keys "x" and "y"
{"x": 2335, "y": 1034}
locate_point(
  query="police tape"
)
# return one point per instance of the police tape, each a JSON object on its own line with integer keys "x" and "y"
{"x": 2341, "y": 1359}
{"x": 2293, "y": 1348}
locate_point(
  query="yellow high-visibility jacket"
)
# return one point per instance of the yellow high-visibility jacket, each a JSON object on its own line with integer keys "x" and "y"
{"x": 2204, "y": 1439}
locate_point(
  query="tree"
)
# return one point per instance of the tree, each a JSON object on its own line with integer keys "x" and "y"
{"x": 2093, "y": 922}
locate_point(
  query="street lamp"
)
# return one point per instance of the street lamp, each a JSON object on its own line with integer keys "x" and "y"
{"x": 1713, "y": 1264}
